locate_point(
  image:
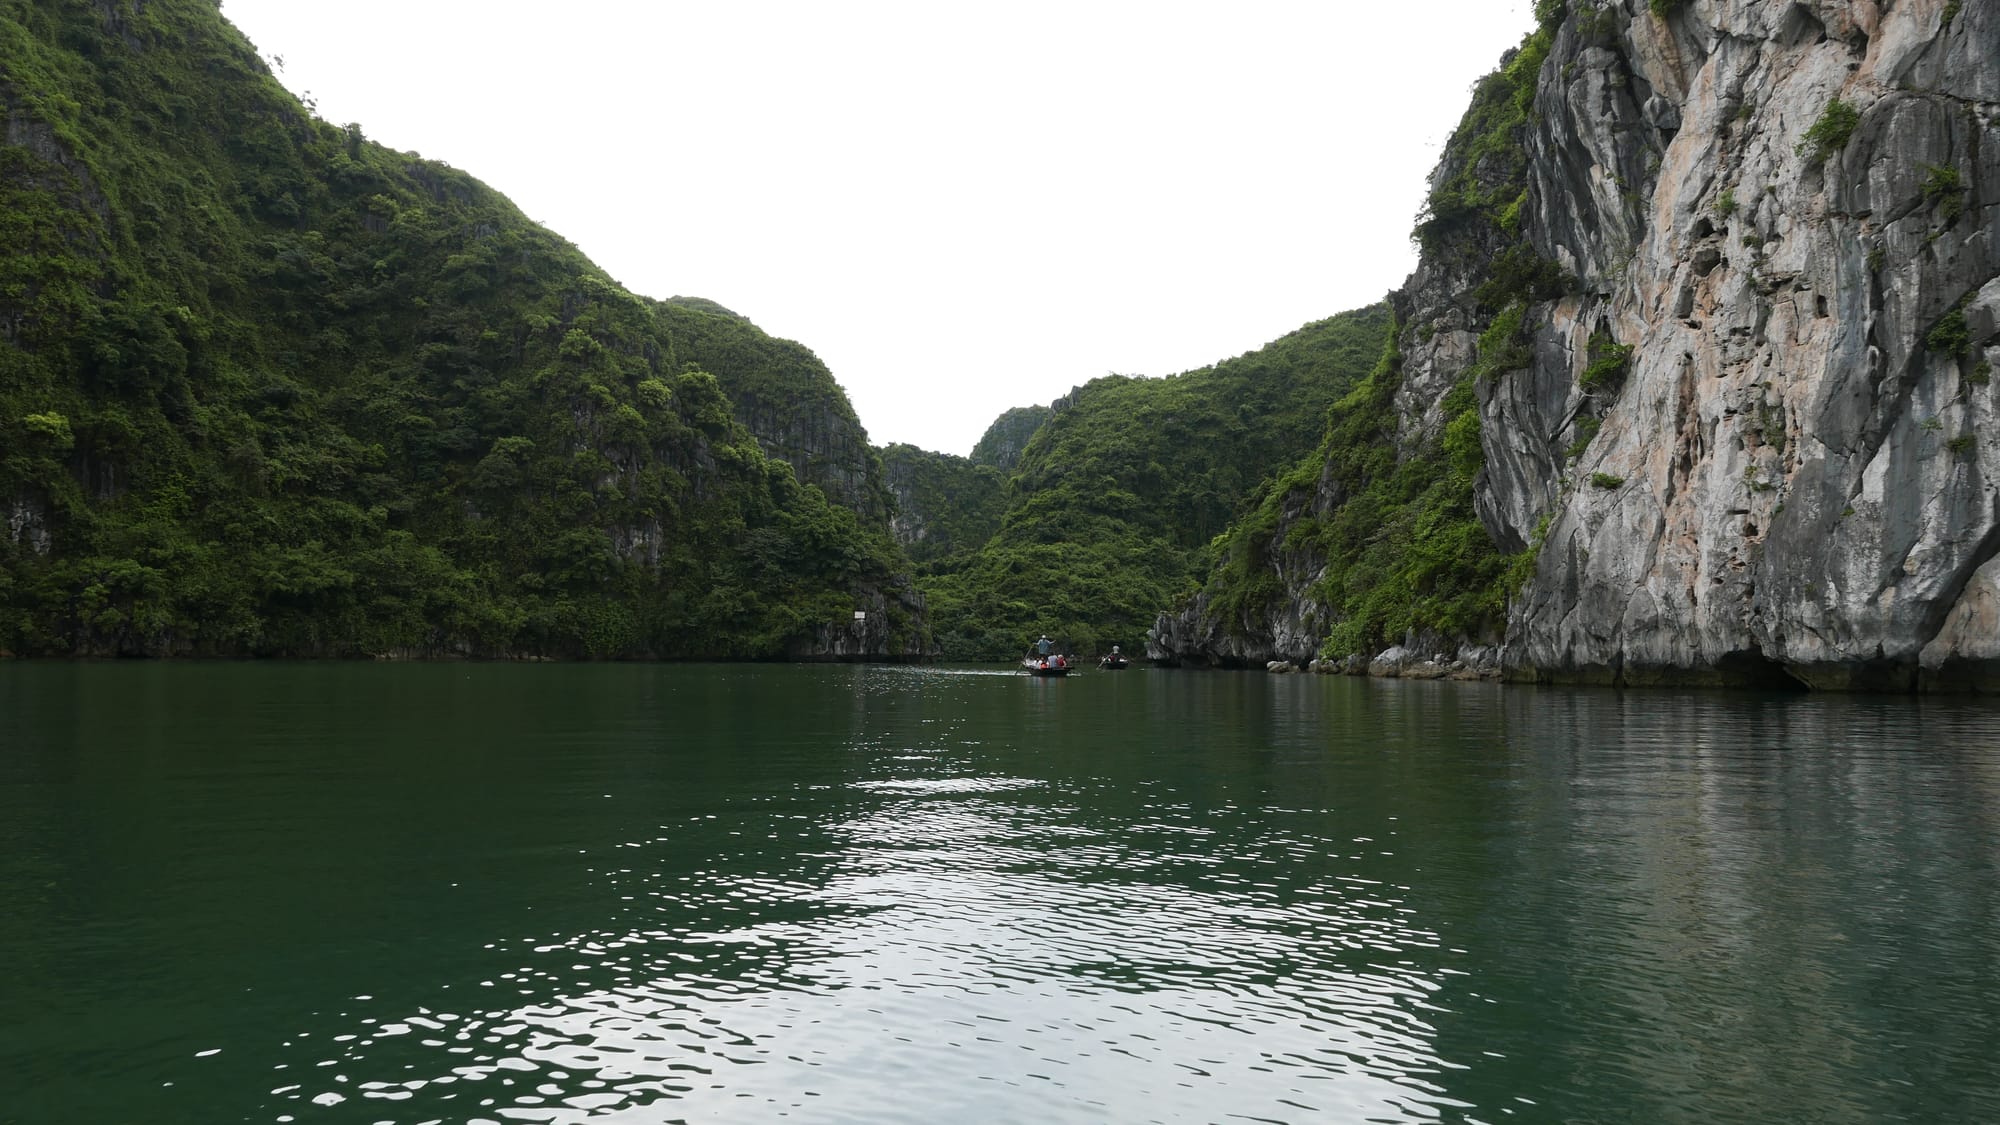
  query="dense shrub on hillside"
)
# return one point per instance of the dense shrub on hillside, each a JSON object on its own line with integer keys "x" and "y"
{"x": 1116, "y": 498}
{"x": 1402, "y": 548}
{"x": 268, "y": 387}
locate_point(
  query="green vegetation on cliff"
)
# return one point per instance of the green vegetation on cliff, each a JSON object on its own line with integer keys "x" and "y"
{"x": 785, "y": 396}
{"x": 945, "y": 504}
{"x": 267, "y": 387}
{"x": 1007, "y": 438}
{"x": 1116, "y": 498}
{"x": 1483, "y": 171}
{"x": 1383, "y": 511}
{"x": 1401, "y": 545}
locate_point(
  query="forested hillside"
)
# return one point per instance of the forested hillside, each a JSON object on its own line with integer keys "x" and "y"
{"x": 1116, "y": 497}
{"x": 267, "y": 387}
{"x": 1375, "y": 536}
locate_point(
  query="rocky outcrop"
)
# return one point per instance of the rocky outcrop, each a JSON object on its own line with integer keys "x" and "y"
{"x": 1797, "y": 478}
{"x": 1749, "y": 435}
{"x": 788, "y": 400}
{"x": 1198, "y": 636}
{"x": 28, "y": 525}
{"x": 1416, "y": 660}
{"x": 909, "y": 522}
{"x": 824, "y": 446}
{"x": 781, "y": 392}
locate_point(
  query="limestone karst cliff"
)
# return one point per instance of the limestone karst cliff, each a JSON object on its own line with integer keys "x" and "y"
{"x": 1732, "y": 347}
{"x": 785, "y": 396}
{"x": 1806, "y": 436}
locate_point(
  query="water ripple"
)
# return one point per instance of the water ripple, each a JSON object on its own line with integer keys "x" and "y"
{"x": 889, "y": 895}
{"x": 963, "y": 917}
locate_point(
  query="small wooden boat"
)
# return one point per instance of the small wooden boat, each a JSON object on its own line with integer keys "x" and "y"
{"x": 1113, "y": 662}
{"x": 1047, "y": 666}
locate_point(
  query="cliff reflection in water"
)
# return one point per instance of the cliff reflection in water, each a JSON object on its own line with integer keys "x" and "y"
{"x": 867, "y": 894}
{"x": 1772, "y": 908}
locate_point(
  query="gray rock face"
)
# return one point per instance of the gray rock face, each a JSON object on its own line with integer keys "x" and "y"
{"x": 1196, "y": 637}
{"x": 824, "y": 446}
{"x": 1805, "y": 444}
{"x": 28, "y": 525}
{"x": 908, "y": 521}
{"x": 1787, "y": 211}
{"x": 827, "y": 448}
{"x": 786, "y": 398}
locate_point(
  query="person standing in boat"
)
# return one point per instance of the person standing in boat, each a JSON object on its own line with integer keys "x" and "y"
{"x": 1042, "y": 646}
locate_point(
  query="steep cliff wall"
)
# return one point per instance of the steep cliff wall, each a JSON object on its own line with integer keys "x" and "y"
{"x": 1731, "y": 345}
{"x": 787, "y": 398}
{"x": 1797, "y": 475}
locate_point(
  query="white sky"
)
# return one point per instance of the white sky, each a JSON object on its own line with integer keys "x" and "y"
{"x": 960, "y": 208}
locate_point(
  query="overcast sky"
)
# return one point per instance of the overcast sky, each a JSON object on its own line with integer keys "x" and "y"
{"x": 961, "y": 208}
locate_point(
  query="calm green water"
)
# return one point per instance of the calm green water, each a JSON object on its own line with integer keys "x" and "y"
{"x": 340, "y": 893}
